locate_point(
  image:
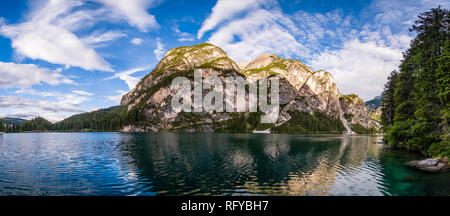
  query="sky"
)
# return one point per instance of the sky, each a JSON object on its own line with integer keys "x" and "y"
{"x": 63, "y": 57}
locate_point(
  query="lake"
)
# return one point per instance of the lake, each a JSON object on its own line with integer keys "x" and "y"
{"x": 208, "y": 164}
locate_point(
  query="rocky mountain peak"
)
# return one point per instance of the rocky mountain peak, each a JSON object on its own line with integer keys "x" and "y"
{"x": 322, "y": 81}
{"x": 198, "y": 56}
{"x": 242, "y": 65}
{"x": 262, "y": 61}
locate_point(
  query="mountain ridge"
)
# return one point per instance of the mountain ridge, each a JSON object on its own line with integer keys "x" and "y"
{"x": 301, "y": 89}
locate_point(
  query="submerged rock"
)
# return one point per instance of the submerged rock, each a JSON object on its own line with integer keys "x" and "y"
{"x": 429, "y": 165}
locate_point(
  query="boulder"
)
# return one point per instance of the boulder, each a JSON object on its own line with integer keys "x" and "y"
{"x": 429, "y": 165}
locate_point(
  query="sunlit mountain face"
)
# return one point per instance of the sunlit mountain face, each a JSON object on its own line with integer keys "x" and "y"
{"x": 63, "y": 57}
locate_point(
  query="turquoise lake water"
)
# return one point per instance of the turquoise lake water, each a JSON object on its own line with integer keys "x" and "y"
{"x": 208, "y": 164}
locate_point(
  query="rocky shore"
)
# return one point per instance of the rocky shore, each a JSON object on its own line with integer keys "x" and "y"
{"x": 433, "y": 165}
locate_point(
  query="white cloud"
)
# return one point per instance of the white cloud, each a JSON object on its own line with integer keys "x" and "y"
{"x": 134, "y": 12}
{"x": 98, "y": 39}
{"x": 400, "y": 15}
{"x": 137, "y": 41}
{"x": 25, "y": 75}
{"x": 186, "y": 39}
{"x": 37, "y": 93}
{"x": 182, "y": 36}
{"x": 126, "y": 76}
{"x": 44, "y": 36}
{"x": 160, "y": 50}
{"x": 361, "y": 67}
{"x": 359, "y": 51}
{"x": 225, "y": 10}
{"x": 16, "y": 106}
{"x": 261, "y": 31}
{"x": 118, "y": 97}
{"x": 80, "y": 92}
{"x": 319, "y": 31}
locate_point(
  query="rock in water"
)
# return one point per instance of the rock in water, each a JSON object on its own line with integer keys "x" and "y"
{"x": 429, "y": 165}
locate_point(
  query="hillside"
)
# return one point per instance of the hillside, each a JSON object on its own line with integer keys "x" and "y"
{"x": 110, "y": 119}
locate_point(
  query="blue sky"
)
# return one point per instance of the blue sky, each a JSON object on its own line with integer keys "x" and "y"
{"x": 63, "y": 57}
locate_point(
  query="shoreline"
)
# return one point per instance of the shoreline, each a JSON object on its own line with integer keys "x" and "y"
{"x": 139, "y": 132}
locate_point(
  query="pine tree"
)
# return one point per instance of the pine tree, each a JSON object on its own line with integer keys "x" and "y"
{"x": 388, "y": 106}
{"x": 421, "y": 88}
{"x": 443, "y": 84}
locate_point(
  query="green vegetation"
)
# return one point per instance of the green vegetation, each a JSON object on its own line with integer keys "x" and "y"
{"x": 276, "y": 63}
{"x": 302, "y": 122}
{"x": 36, "y": 124}
{"x": 351, "y": 99}
{"x": 374, "y": 115}
{"x": 111, "y": 119}
{"x": 415, "y": 108}
{"x": 177, "y": 57}
{"x": 237, "y": 124}
{"x": 359, "y": 129}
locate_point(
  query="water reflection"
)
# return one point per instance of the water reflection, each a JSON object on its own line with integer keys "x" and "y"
{"x": 271, "y": 164}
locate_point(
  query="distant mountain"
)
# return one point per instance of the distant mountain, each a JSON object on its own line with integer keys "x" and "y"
{"x": 375, "y": 103}
{"x": 14, "y": 121}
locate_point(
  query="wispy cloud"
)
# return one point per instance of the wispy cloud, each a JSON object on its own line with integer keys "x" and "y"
{"x": 118, "y": 97}
{"x": 80, "y": 92}
{"x": 260, "y": 31}
{"x": 160, "y": 50}
{"x": 26, "y": 75}
{"x": 44, "y": 36}
{"x": 98, "y": 39}
{"x": 29, "y": 91}
{"x": 360, "y": 67}
{"x": 137, "y": 41}
{"x": 182, "y": 36}
{"x": 225, "y": 10}
{"x": 29, "y": 108}
{"x": 363, "y": 47}
{"x": 126, "y": 76}
{"x": 134, "y": 12}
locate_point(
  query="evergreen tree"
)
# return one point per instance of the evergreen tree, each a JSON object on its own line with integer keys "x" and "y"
{"x": 420, "y": 98}
{"x": 387, "y": 107}
{"x": 443, "y": 84}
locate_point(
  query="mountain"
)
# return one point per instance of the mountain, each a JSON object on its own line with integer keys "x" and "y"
{"x": 14, "y": 121}
{"x": 375, "y": 103}
{"x": 310, "y": 101}
{"x": 374, "y": 107}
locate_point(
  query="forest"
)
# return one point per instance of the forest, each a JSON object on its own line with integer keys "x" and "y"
{"x": 110, "y": 119}
{"x": 415, "y": 104}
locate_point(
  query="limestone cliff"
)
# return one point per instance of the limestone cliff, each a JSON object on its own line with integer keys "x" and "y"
{"x": 301, "y": 90}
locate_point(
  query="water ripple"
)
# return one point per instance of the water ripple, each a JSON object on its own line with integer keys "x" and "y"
{"x": 205, "y": 164}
